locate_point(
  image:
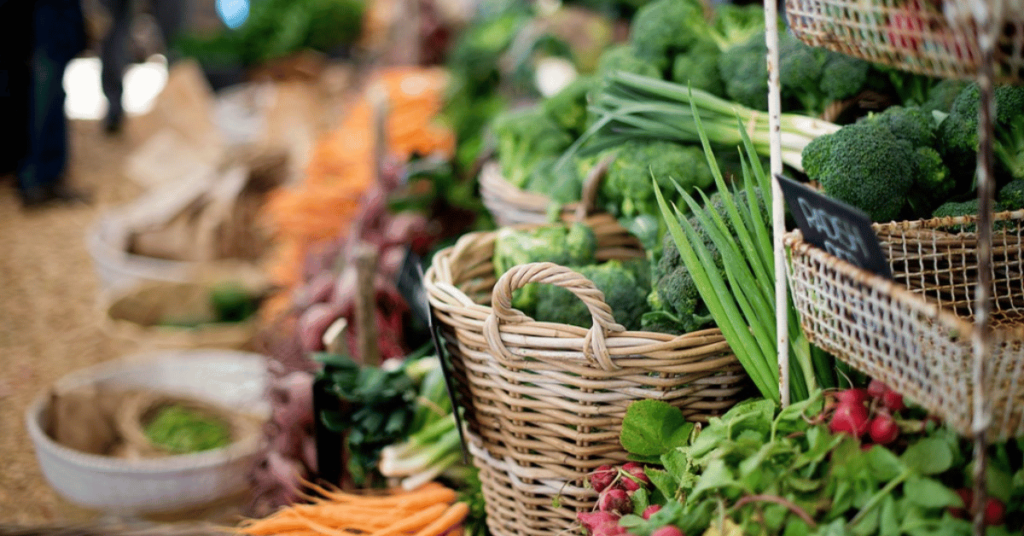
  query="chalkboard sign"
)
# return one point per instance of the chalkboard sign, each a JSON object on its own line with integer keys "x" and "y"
{"x": 838, "y": 228}
{"x": 410, "y": 286}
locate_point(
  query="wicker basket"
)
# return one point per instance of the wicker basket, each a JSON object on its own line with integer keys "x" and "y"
{"x": 544, "y": 402}
{"x": 511, "y": 205}
{"x": 911, "y": 35}
{"x": 914, "y": 332}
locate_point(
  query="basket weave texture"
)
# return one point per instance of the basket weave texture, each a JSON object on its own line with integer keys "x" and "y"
{"x": 910, "y": 35}
{"x": 511, "y": 205}
{"x": 914, "y": 332}
{"x": 544, "y": 402}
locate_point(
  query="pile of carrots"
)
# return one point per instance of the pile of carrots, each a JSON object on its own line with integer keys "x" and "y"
{"x": 342, "y": 166}
{"x": 431, "y": 510}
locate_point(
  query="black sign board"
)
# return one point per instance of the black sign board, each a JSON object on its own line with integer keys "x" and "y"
{"x": 838, "y": 228}
{"x": 410, "y": 286}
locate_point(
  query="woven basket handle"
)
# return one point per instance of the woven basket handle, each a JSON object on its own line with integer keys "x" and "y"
{"x": 595, "y": 348}
{"x": 591, "y": 185}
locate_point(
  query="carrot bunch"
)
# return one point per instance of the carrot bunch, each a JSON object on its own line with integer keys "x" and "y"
{"x": 431, "y": 510}
{"x": 341, "y": 168}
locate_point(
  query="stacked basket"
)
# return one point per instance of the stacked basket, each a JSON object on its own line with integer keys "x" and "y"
{"x": 544, "y": 402}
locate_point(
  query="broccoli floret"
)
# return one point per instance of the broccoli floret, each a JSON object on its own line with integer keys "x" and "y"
{"x": 698, "y": 68}
{"x": 958, "y": 133}
{"x": 569, "y": 246}
{"x": 909, "y": 123}
{"x": 623, "y": 292}
{"x": 734, "y": 24}
{"x": 942, "y": 94}
{"x": 933, "y": 183}
{"x": 628, "y": 183}
{"x": 1011, "y": 196}
{"x": 866, "y": 166}
{"x": 952, "y": 209}
{"x": 800, "y": 73}
{"x": 663, "y": 28}
{"x": 744, "y": 72}
{"x": 842, "y": 76}
{"x": 524, "y": 139}
{"x": 560, "y": 183}
{"x": 476, "y": 52}
{"x": 624, "y": 58}
{"x": 568, "y": 107}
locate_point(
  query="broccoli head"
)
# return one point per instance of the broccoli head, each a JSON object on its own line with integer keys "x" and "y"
{"x": 624, "y": 58}
{"x": 744, "y": 72}
{"x": 958, "y": 133}
{"x": 569, "y": 246}
{"x": 628, "y": 183}
{"x": 942, "y": 94}
{"x": 800, "y": 69}
{"x": 525, "y": 138}
{"x": 842, "y": 76}
{"x": 698, "y": 68}
{"x": 623, "y": 292}
{"x": 663, "y": 28}
{"x": 676, "y": 306}
{"x": 734, "y": 24}
{"x": 953, "y": 209}
{"x": 1011, "y": 196}
{"x": 568, "y": 107}
{"x": 866, "y": 166}
{"x": 910, "y": 123}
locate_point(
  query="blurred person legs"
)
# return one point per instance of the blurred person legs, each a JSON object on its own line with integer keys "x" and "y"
{"x": 115, "y": 50}
{"x": 59, "y": 35}
{"x": 15, "y": 56}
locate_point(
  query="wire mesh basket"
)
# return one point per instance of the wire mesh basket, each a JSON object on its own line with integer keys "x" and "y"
{"x": 914, "y": 332}
{"x": 930, "y": 37}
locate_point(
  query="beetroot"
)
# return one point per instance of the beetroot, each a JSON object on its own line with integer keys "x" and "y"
{"x": 639, "y": 478}
{"x": 615, "y": 501}
{"x": 650, "y": 511}
{"x": 850, "y": 419}
{"x": 602, "y": 477}
{"x": 883, "y": 429}
{"x": 668, "y": 530}
{"x": 312, "y": 324}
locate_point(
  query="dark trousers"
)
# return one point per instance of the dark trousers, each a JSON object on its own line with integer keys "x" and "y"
{"x": 114, "y": 52}
{"x": 59, "y": 35}
{"x": 15, "y": 80}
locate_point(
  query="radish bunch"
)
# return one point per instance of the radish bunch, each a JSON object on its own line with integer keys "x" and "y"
{"x": 869, "y": 412}
{"x": 615, "y": 487}
{"x": 995, "y": 510}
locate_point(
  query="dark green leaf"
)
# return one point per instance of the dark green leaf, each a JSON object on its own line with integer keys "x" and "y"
{"x": 653, "y": 427}
{"x": 774, "y": 516}
{"x": 334, "y": 421}
{"x": 999, "y": 484}
{"x": 929, "y": 493}
{"x": 930, "y": 456}
{"x": 796, "y": 527}
{"x": 868, "y": 524}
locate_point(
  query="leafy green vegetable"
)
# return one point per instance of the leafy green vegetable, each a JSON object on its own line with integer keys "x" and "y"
{"x": 183, "y": 430}
{"x": 653, "y": 428}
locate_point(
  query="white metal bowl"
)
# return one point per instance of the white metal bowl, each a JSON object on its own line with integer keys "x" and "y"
{"x": 228, "y": 378}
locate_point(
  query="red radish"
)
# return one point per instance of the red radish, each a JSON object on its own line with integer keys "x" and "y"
{"x": 851, "y": 419}
{"x": 312, "y": 324}
{"x": 892, "y": 400}
{"x": 905, "y": 26}
{"x": 852, "y": 396}
{"x": 602, "y": 477}
{"x": 639, "y": 478}
{"x": 615, "y": 501}
{"x": 650, "y": 511}
{"x": 601, "y": 523}
{"x": 967, "y": 496}
{"x": 318, "y": 289}
{"x": 668, "y": 530}
{"x": 876, "y": 389}
{"x": 883, "y": 429}
{"x": 995, "y": 512}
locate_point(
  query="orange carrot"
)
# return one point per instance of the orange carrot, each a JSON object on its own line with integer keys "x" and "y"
{"x": 414, "y": 522}
{"x": 451, "y": 517}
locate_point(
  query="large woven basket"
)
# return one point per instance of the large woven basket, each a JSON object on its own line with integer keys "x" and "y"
{"x": 911, "y": 35}
{"x": 511, "y": 205}
{"x": 544, "y": 402}
{"x": 914, "y": 332}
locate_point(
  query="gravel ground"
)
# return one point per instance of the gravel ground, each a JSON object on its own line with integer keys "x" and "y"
{"x": 48, "y": 320}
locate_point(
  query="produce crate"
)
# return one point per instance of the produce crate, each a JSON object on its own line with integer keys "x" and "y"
{"x": 511, "y": 205}
{"x": 911, "y": 35}
{"x": 544, "y": 402}
{"x": 914, "y": 332}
